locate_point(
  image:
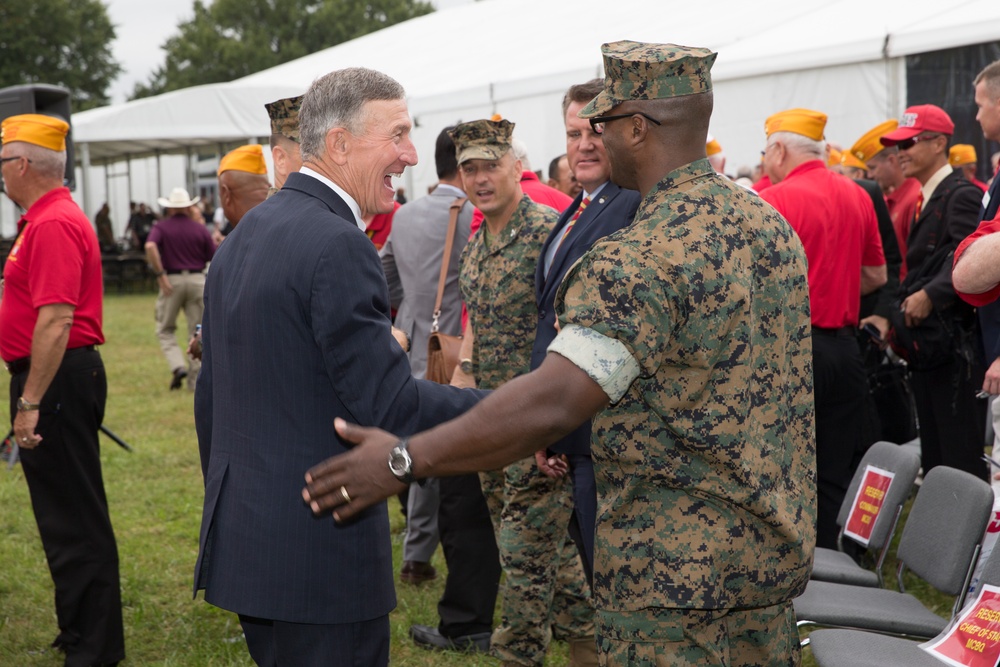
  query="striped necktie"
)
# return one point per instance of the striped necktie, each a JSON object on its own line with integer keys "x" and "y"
{"x": 572, "y": 221}
{"x": 920, "y": 206}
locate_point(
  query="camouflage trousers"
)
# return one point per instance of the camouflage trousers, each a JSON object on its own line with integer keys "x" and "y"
{"x": 545, "y": 592}
{"x": 764, "y": 637}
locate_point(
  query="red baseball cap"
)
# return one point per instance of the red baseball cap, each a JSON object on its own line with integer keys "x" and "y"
{"x": 921, "y": 118}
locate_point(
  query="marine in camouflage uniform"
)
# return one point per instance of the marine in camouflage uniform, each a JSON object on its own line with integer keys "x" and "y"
{"x": 545, "y": 592}
{"x": 705, "y": 459}
{"x": 285, "y": 152}
{"x": 686, "y": 336}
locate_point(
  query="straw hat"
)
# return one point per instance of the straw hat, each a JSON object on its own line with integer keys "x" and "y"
{"x": 179, "y": 198}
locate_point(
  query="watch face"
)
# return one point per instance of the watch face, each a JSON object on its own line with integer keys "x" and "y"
{"x": 399, "y": 461}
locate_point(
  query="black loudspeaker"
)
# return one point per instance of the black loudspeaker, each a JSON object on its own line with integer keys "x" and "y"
{"x": 42, "y": 98}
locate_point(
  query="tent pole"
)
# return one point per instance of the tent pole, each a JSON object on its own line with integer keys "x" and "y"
{"x": 85, "y": 177}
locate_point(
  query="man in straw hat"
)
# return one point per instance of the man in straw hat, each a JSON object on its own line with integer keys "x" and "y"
{"x": 296, "y": 332}
{"x": 50, "y": 325}
{"x": 178, "y": 249}
{"x": 686, "y": 337}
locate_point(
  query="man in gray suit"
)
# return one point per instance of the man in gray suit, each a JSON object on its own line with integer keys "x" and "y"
{"x": 411, "y": 259}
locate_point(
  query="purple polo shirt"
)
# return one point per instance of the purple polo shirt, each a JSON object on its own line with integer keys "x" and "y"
{"x": 184, "y": 244}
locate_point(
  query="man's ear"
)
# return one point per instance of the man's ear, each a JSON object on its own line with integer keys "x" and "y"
{"x": 225, "y": 194}
{"x": 338, "y": 144}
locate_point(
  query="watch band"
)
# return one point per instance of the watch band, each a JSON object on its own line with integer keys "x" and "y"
{"x": 24, "y": 406}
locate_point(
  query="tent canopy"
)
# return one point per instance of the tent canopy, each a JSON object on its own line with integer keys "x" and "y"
{"x": 516, "y": 57}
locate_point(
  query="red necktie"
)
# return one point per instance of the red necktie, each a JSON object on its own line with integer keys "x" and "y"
{"x": 920, "y": 206}
{"x": 572, "y": 221}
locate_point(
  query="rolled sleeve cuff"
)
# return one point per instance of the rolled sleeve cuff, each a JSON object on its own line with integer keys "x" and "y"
{"x": 606, "y": 360}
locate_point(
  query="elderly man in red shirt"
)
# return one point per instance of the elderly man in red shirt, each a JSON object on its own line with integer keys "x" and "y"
{"x": 835, "y": 220}
{"x": 50, "y": 325}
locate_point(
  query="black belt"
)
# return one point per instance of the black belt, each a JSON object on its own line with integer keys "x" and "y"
{"x": 21, "y": 365}
{"x": 184, "y": 272}
{"x": 840, "y": 332}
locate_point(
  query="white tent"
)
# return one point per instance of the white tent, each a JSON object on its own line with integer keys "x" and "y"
{"x": 517, "y": 57}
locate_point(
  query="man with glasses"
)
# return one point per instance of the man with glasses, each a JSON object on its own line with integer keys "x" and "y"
{"x": 935, "y": 327}
{"x": 900, "y": 192}
{"x": 50, "y": 325}
{"x": 686, "y": 337}
{"x": 835, "y": 220}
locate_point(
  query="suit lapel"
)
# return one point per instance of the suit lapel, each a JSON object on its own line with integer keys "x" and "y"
{"x": 314, "y": 188}
{"x": 593, "y": 210}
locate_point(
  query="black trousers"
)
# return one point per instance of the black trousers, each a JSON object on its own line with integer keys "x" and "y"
{"x": 841, "y": 391}
{"x": 283, "y": 644}
{"x": 952, "y": 421}
{"x": 67, "y": 496}
{"x": 470, "y": 549}
{"x": 583, "y": 522}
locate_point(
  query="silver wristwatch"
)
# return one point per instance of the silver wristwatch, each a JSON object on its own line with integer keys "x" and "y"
{"x": 400, "y": 463}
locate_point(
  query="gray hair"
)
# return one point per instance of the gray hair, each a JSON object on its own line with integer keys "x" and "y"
{"x": 797, "y": 143}
{"x": 47, "y": 163}
{"x": 338, "y": 99}
{"x": 520, "y": 150}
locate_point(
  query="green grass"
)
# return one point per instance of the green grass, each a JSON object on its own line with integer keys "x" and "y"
{"x": 155, "y": 495}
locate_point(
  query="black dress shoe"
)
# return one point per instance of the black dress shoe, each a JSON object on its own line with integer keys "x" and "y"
{"x": 416, "y": 572}
{"x": 178, "y": 379}
{"x": 429, "y": 638}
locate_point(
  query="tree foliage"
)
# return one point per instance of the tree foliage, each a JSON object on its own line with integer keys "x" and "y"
{"x": 229, "y": 39}
{"x": 61, "y": 42}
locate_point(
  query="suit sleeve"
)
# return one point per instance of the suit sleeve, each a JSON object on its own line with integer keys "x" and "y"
{"x": 391, "y": 273}
{"x": 962, "y": 214}
{"x": 368, "y": 369}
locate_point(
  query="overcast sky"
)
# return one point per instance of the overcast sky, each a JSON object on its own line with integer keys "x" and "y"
{"x": 142, "y": 27}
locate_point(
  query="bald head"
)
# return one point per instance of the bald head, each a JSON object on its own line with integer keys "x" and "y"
{"x": 240, "y": 191}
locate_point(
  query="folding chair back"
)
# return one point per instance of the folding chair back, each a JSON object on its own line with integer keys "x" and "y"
{"x": 941, "y": 539}
{"x": 905, "y": 464}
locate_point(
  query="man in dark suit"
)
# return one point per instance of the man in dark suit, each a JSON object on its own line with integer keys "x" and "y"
{"x": 951, "y": 418}
{"x": 601, "y": 208}
{"x": 297, "y": 332}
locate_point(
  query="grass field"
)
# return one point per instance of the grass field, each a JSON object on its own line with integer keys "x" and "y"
{"x": 155, "y": 495}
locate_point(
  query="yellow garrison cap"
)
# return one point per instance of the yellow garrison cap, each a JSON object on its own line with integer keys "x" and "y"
{"x": 833, "y": 159}
{"x": 712, "y": 146}
{"x": 962, "y": 154}
{"x": 249, "y": 158}
{"x": 868, "y": 146}
{"x": 482, "y": 140}
{"x": 848, "y": 159}
{"x": 806, "y": 122}
{"x": 45, "y": 131}
{"x": 644, "y": 71}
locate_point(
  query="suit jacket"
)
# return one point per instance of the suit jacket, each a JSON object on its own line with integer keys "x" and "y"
{"x": 411, "y": 259}
{"x": 946, "y": 218}
{"x": 296, "y": 332}
{"x": 613, "y": 209}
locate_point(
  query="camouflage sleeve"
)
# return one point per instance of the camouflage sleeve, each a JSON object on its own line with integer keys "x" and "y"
{"x": 623, "y": 292}
{"x": 606, "y": 360}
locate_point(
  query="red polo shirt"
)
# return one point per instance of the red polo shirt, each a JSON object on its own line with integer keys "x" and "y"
{"x": 55, "y": 259}
{"x": 835, "y": 220}
{"x": 902, "y": 204}
{"x": 985, "y": 228}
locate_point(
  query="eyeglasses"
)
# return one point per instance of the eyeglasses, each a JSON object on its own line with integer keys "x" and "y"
{"x": 597, "y": 122}
{"x": 12, "y": 158}
{"x": 907, "y": 144}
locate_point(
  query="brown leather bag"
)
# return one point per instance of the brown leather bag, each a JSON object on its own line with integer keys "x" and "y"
{"x": 442, "y": 349}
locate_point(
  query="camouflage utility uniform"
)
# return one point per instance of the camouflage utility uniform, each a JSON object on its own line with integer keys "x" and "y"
{"x": 545, "y": 592}
{"x": 705, "y": 459}
{"x": 284, "y": 115}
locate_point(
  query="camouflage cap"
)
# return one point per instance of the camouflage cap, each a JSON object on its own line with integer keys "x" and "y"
{"x": 285, "y": 117}
{"x": 643, "y": 71}
{"x": 482, "y": 140}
